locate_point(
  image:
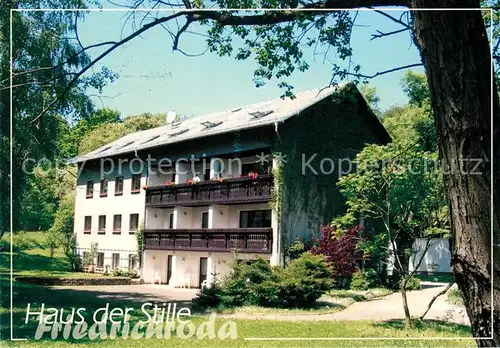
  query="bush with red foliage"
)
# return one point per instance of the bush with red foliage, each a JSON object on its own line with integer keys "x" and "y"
{"x": 341, "y": 252}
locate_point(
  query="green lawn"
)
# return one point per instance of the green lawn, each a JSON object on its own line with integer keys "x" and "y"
{"x": 441, "y": 278}
{"x": 38, "y": 261}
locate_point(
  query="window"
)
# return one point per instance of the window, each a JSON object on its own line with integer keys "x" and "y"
{"x": 255, "y": 218}
{"x": 171, "y": 221}
{"x": 115, "y": 260}
{"x": 255, "y": 167}
{"x": 90, "y": 189}
{"x": 119, "y": 185}
{"x": 207, "y": 175}
{"x": 136, "y": 183}
{"x": 104, "y": 187}
{"x": 133, "y": 223}
{"x": 204, "y": 220}
{"x": 100, "y": 260}
{"x": 87, "y": 226}
{"x": 102, "y": 224}
{"x": 117, "y": 224}
{"x": 132, "y": 261}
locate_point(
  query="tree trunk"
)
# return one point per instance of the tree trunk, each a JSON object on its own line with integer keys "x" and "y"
{"x": 405, "y": 303}
{"x": 456, "y": 56}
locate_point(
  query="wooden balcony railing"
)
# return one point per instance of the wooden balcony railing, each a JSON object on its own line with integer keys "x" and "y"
{"x": 230, "y": 191}
{"x": 245, "y": 240}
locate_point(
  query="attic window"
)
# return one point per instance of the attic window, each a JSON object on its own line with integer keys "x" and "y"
{"x": 175, "y": 124}
{"x": 178, "y": 132}
{"x": 127, "y": 144}
{"x": 151, "y": 139}
{"x": 105, "y": 149}
{"x": 208, "y": 124}
{"x": 259, "y": 114}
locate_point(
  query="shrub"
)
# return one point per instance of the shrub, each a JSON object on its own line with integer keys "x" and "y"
{"x": 413, "y": 283}
{"x": 209, "y": 296}
{"x": 70, "y": 281}
{"x": 298, "y": 285}
{"x": 304, "y": 281}
{"x": 364, "y": 280}
{"x": 5, "y": 246}
{"x": 394, "y": 283}
{"x": 340, "y": 250}
{"x": 295, "y": 249}
{"x": 243, "y": 285}
{"x": 130, "y": 273}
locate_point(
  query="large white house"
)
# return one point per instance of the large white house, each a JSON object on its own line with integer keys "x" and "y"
{"x": 205, "y": 191}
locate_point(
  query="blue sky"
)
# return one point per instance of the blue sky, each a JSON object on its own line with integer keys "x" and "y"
{"x": 155, "y": 79}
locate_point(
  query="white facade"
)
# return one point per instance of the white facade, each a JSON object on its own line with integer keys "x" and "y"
{"x": 185, "y": 266}
{"x": 109, "y": 241}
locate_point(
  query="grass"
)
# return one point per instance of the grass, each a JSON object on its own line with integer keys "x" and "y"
{"x": 440, "y": 278}
{"x": 454, "y": 297}
{"x": 283, "y": 330}
{"x": 334, "y": 301}
{"x": 38, "y": 261}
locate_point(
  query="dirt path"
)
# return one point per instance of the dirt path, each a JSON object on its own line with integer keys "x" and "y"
{"x": 383, "y": 308}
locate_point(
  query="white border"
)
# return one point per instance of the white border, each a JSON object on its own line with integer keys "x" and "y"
{"x": 266, "y": 10}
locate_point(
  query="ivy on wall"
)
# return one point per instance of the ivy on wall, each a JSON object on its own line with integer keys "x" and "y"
{"x": 139, "y": 235}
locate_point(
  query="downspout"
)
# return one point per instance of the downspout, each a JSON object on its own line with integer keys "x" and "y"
{"x": 143, "y": 256}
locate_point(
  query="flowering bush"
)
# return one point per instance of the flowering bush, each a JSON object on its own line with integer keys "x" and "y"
{"x": 253, "y": 175}
{"x": 340, "y": 250}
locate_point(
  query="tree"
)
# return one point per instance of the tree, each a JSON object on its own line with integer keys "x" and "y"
{"x": 109, "y": 132}
{"x": 416, "y": 88}
{"x": 72, "y": 136}
{"x": 340, "y": 250}
{"x": 370, "y": 94}
{"x": 43, "y": 61}
{"x": 400, "y": 190}
{"x": 455, "y": 53}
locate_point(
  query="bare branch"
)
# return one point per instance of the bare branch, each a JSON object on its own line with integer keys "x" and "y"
{"x": 382, "y": 34}
{"x": 442, "y": 292}
{"x": 181, "y": 30}
{"x": 229, "y": 19}
{"x": 399, "y": 21}
{"x": 104, "y": 54}
{"x": 385, "y": 71}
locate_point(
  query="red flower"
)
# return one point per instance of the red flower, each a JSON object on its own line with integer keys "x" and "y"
{"x": 253, "y": 175}
{"x": 189, "y": 181}
{"x": 144, "y": 187}
{"x": 168, "y": 183}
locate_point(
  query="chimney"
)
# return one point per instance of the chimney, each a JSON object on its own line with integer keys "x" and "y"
{"x": 171, "y": 116}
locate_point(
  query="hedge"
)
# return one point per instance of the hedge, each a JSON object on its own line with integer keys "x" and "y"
{"x": 44, "y": 280}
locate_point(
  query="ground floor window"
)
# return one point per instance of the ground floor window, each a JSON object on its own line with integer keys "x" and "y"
{"x": 100, "y": 260}
{"x": 132, "y": 261}
{"x": 115, "y": 261}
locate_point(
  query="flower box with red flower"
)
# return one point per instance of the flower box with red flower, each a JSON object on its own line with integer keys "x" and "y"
{"x": 253, "y": 175}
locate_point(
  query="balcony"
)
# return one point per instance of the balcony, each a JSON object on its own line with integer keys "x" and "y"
{"x": 230, "y": 191}
{"x": 246, "y": 240}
